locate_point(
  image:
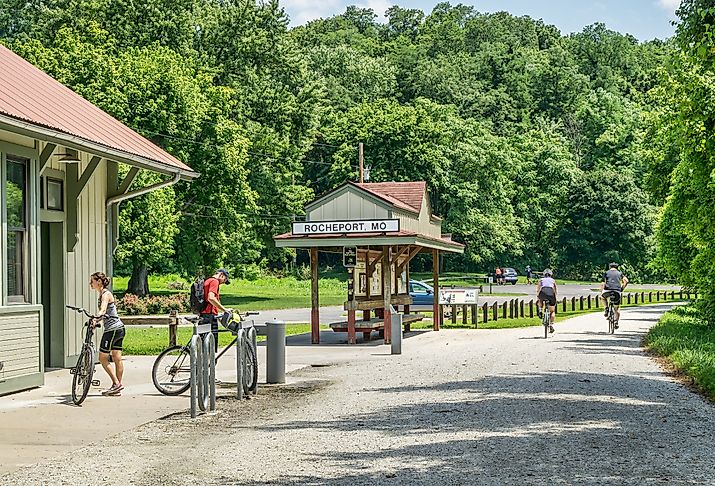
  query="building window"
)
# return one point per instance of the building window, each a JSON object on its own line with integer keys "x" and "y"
{"x": 16, "y": 217}
{"x": 55, "y": 194}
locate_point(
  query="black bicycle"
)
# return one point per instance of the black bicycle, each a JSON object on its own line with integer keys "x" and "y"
{"x": 171, "y": 372}
{"x": 83, "y": 371}
{"x": 611, "y": 311}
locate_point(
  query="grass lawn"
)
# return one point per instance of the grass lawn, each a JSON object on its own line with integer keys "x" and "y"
{"x": 688, "y": 342}
{"x": 151, "y": 341}
{"x": 255, "y": 295}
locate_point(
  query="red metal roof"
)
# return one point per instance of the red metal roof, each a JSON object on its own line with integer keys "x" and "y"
{"x": 28, "y": 94}
{"x": 404, "y": 195}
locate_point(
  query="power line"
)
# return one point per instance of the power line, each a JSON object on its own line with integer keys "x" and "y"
{"x": 256, "y": 154}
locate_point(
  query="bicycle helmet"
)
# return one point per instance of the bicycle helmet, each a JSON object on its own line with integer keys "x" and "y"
{"x": 548, "y": 272}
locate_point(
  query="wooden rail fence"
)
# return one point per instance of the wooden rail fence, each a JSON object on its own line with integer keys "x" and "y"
{"x": 519, "y": 308}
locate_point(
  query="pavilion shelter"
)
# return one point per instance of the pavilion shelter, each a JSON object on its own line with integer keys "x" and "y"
{"x": 383, "y": 226}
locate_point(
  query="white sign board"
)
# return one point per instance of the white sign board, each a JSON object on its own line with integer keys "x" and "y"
{"x": 346, "y": 227}
{"x": 458, "y": 296}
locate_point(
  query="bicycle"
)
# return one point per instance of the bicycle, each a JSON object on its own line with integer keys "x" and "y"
{"x": 83, "y": 371}
{"x": 611, "y": 311}
{"x": 171, "y": 372}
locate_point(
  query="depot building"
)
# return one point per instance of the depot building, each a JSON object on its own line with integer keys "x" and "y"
{"x": 60, "y": 188}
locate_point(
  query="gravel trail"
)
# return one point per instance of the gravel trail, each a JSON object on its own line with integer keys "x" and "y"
{"x": 457, "y": 407}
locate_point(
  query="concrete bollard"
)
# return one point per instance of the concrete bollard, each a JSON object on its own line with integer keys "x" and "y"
{"x": 276, "y": 351}
{"x": 396, "y": 327}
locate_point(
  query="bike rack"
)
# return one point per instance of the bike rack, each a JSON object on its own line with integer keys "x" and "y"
{"x": 249, "y": 333}
{"x": 202, "y": 351}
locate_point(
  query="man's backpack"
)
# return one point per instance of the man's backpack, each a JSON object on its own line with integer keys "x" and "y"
{"x": 196, "y": 296}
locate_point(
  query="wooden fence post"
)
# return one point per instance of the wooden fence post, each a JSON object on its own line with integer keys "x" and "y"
{"x": 494, "y": 311}
{"x": 598, "y": 301}
{"x": 173, "y": 327}
{"x": 464, "y": 314}
{"x": 485, "y": 313}
{"x": 503, "y": 311}
{"x": 672, "y": 295}
{"x": 642, "y": 297}
{"x": 580, "y": 303}
{"x": 521, "y": 307}
{"x": 681, "y": 294}
{"x": 454, "y": 314}
{"x": 628, "y": 298}
{"x": 589, "y": 301}
{"x": 573, "y": 304}
{"x": 511, "y": 308}
{"x": 657, "y": 295}
{"x": 564, "y": 304}
{"x": 531, "y": 309}
{"x": 475, "y": 314}
{"x": 636, "y": 297}
{"x": 650, "y": 296}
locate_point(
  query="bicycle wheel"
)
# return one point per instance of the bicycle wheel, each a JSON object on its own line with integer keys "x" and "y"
{"x": 82, "y": 378}
{"x": 611, "y": 320}
{"x": 250, "y": 369}
{"x": 171, "y": 372}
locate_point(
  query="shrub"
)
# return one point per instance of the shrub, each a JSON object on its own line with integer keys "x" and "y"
{"x": 303, "y": 272}
{"x": 250, "y": 271}
{"x": 131, "y": 305}
{"x": 177, "y": 285}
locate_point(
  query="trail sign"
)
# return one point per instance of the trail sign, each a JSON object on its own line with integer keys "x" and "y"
{"x": 349, "y": 256}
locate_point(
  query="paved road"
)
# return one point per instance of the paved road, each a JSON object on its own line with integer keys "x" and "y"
{"x": 336, "y": 313}
{"x": 457, "y": 407}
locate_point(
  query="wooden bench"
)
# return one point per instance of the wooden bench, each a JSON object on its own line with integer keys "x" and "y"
{"x": 375, "y": 324}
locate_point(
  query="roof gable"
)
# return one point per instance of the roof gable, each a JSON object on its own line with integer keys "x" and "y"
{"x": 30, "y": 95}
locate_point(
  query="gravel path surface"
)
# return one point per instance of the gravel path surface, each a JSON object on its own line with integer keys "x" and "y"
{"x": 458, "y": 407}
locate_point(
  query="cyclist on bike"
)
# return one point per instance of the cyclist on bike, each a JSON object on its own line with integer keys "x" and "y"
{"x": 113, "y": 337}
{"x": 614, "y": 282}
{"x": 546, "y": 293}
{"x": 213, "y": 300}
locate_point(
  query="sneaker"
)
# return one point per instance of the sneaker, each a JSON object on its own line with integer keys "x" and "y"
{"x": 538, "y": 312}
{"x": 114, "y": 389}
{"x": 615, "y": 326}
{"x": 551, "y": 329}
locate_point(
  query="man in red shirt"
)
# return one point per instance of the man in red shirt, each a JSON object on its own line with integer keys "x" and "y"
{"x": 213, "y": 300}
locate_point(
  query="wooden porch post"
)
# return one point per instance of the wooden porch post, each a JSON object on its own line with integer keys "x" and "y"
{"x": 435, "y": 281}
{"x": 314, "y": 301}
{"x": 351, "y": 303}
{"x": 387, "y": 292}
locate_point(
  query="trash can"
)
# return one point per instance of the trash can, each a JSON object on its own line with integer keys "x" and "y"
{"x": 275, "y": 351}
{"x": 396, "y": 329}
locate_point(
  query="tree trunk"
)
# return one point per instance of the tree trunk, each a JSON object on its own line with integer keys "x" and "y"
{"x": 139, "y": 283}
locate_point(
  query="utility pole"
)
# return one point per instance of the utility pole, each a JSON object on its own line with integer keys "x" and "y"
{"x": 361, "y": 159}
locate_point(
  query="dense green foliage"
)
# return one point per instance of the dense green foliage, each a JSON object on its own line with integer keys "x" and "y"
{"x": 682, "y": 174}
{"x": 537, "y": 146}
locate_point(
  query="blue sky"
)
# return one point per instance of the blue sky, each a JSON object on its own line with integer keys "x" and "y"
{"x": 644, "y": 19}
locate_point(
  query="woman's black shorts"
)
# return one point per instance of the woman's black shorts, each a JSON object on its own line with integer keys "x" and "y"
{"x": 112, "y": 340}
{"x": 547, "y": 295}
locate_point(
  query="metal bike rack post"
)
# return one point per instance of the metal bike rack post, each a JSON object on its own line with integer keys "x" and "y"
{"x": 276, "y": 351}
{"x": 396, "y": 327}
{"x": 239, "y": 363}
{"x": 202, "y": 351}
{"x": 252, "y": 337}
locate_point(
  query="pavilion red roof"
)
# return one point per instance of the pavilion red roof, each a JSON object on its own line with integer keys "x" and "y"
{"x": 404, "y": 195}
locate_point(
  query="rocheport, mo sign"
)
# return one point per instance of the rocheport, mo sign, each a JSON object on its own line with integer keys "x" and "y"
{"x": 346, "y": 227}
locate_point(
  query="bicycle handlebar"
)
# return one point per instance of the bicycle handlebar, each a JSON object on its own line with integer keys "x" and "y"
{"x": 80, "y": 310}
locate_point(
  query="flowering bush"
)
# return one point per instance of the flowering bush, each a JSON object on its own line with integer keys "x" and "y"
{"x": 131, "y": 305}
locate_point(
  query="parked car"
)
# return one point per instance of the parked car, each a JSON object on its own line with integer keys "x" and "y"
{"x": 422, "y": 295}
{"x": 510, "y": 276}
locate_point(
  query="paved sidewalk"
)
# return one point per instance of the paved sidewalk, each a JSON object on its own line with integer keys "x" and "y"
{"x": 39, "y": 424}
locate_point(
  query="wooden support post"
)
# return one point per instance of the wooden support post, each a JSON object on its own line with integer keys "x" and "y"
{"x": 387, "y": 291}
{"x": 314, "y": 300}
{"x": 437, "y": 317}
{"x": 454, "y": 314}
{"x": 485, "y": 313}
{"x": 440, "y": 315}
{"x": 173, "y": 326}
{"x": 475, "y": 314}
{"x": 407, "y": 306}
{"x": 464, "y": 314}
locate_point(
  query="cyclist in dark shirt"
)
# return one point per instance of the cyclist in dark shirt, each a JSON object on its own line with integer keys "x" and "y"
{"x": 614, "y": 283}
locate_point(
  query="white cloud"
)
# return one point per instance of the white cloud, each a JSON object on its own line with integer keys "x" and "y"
{"x": 669, "y": 5}
{"x": 378, "y": 6}
{"x": 302, "y": 11}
